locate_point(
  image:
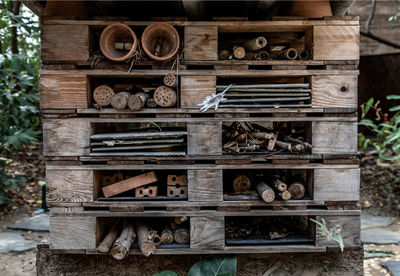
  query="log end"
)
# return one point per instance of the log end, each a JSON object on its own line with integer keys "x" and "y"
{"x": 119, "y": 252}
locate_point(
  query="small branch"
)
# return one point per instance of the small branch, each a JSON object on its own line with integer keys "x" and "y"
{"x": 370, "y": 17}
{"x": 381, "y": 40}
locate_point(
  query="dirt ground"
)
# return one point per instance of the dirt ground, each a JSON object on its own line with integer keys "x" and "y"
{"x": 376, "y": 198}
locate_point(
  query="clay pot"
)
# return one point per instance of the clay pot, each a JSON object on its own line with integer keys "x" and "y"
{"x": 117, "y": 33}
{"x": 160, "y": 41}
{"x": 311, "y": 9}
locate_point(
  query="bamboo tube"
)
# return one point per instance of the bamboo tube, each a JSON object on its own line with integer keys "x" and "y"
{"x": 120, "y": 100}
{"x": 279, "y": 185}
{"x": 264, "y": 191}
{"x": 109, "y": 240}
{"x": 256, "y": 44}
{"x": 263, "y": 55}
{"x": 137, "y": 101}
{"x": 290, "y": 54}
{"x": 304, "y": 55}
{"x": 146, "y": 245}
{"x": 124, "y": 242}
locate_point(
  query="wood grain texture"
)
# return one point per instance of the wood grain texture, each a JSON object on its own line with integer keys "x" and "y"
{"x": 205, "y": 185}
{"x": 337, "y": 184}
{"x": 66, "y": 137}
{"x": 64, "y": 43}
{"x": 207, "y": 232}
{"x": 72, "y": 232}
{"x": 334, "y": 91}
{"x": 70, "y": 186}
{"x": 59, "y": 92}
{"x": 336, "y": 43}
{"x": 204, "y": 138}
{"x": 351, "y": 226}
{"x": 201, "y": 43}
{"x": 195, "y": 89}
{"x": 334, "y": 137}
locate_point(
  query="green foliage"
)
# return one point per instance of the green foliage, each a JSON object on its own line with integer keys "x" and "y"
{"x": 19, "y": 98}
{"x": 215, "y": 266}
{"x": 331, "y": 234}
{"x": 8, "y": 181}
{"x": 396, "y": 17}
{"x": 387, "y": 134}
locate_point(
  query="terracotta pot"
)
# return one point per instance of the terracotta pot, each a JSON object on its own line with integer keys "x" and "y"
{"x": 117, "y": 33}
{"x": 311, "y": 8}
{"x": 160, "y": 41}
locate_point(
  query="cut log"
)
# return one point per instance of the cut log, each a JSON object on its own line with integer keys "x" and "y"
{"x": 167, "y": 237}
{"x": 271, "y": 143}
{"x": 129, "y": 184}
{"x": 165, "y": 96}
{"x": 262, "y": 135}
{"x": 182, "y": 236}
{"x": 224, "y": 55}
{"x": 155, "y": 237}
{"x": 110, "y": 238}
{"x": 103, "y": 94}
{"x": 120, "y": 100}
{"x": 256, "y": 44}
{"x": 241, "y": 183}
{"x": 264, "y": 191}
{"x": 137, "y": 101}
{"x": 146, "y": 245}
{"x": 298, "y": 141}
{"x": 279, "y": 185}
{"x": 179, "y": 220}
{"x": 285, "y": 195}
{"x": 239, "y": 52}
{"x": 170, "y": 80}
{"x": 124, "y": 242}
{"x": 297, "y": 190}
{"x": 284, "y": 145}
{"x": 151, "y": 103}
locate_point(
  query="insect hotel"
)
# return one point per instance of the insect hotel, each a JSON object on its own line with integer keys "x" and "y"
{"x": 182, "y": 137}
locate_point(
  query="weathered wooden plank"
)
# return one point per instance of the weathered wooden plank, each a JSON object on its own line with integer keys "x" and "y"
{"x": 201, "y": 43}
{"x": 66, "y": 137}
{"x": 336, "y": 43}
{"x": 207, "y": 232}
{"x": 336, "y": 184}
{"x": 72, "y": 232}
{"x": 205, "y": 185}
{"x": 350, "y": 231}
{"x": 334, "y": 91}
{"x": 64, "y": 43}
{"x": 194, "y": 90}
{"x": 62, "y": 92}
{"x": 334, "y": 137}
{"x": 70, "y": 186}
{"x": 204, "y": 138}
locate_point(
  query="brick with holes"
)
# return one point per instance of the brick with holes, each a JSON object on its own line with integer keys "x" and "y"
{"x": 181, "y": 180}
{"x": 177, "y": 191}
{"x": 150, "y": 191}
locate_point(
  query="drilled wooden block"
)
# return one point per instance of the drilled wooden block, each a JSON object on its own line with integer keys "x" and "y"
{"x": 111, "y": 179}
{"x": 177, "y": 191}
{"x": 181, "y": 180}
{"x": 150, "y": 191}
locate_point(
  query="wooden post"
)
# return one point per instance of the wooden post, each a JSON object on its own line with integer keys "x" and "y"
{"x": 110, "y": 238}
{"x": 297, "y": 190}
{"x": 102, "y": 95}
{"x": 182, "y": 236}
{"x": 120, "y": 100}
{"x": 241, "y": 183}
{"x": 146, "y": 245}
{"x": 124, "y": 242}
{"x": 170, "y": 80}
{"x": 256, "y": 44}
{"x": 165, "y": 96}
{"x": 138, "y": 100}
{"x": 167, "y": 237}
{"x": 264, "y": 191}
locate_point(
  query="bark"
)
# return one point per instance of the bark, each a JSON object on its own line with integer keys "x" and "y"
{"x": 109, "y": 240}
{"x": 124, "y": 242}
{"x": 146, "y": 245}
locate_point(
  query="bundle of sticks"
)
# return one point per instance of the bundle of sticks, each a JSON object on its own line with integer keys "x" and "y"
{"x": 260, "y": 48}
{"x": 269, "y": 187}
{"x": 123, "y": 233}
{"x": 275, "y": 95}
{"x": 136, "y": 97}
{"x": 144, "y": 143}
{"x": 244, "y": 137}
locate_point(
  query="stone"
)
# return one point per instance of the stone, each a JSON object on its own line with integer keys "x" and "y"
{"x": 392, "y": 266}
{"x": 36, "y": 223}
{"x": 14, "y": 242}
{"x": 380, "y": 237}
{"x": 371, "y": 221}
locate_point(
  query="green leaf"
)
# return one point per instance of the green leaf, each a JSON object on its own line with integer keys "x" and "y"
{"x": 216, "y": 266}
{"x": 166, "y": 273}
{"x": 395, "y": 108}
{"x": 368, "y": 106}
{"x": 393, "y": 97}
{"x": 368, "y": 123}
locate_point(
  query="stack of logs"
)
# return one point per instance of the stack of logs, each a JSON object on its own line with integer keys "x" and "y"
{"x": 163, "y": 96}
{"x": 143, "y": 185}
{"x": 244, "y": 137}
{"x": 120, "y": 239}
{"x": 268, "y": 190}
{"x": 260, "y": 49}
{"x": 146, "y": 142}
